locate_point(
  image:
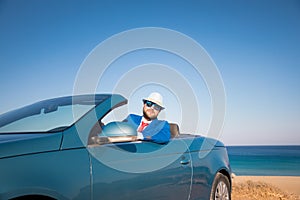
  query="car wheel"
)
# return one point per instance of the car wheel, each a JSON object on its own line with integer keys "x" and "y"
{"x": 220, "y": 188}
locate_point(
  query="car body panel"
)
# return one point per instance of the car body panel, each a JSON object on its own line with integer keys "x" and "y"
{"x": 205, "y": 169}
{"x": 209, "y": 157}
{"x": 154, "y": 171}
{"x": 20, "y": 144}
{"x": 57, "y": 174}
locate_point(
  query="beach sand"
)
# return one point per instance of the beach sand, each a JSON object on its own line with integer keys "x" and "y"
{"x": 266, "y": 187}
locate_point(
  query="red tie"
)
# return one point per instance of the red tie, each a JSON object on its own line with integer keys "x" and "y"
{"x": 142, "y": 126}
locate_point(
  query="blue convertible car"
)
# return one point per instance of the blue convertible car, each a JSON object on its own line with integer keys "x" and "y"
{"x": 61, "y": 149}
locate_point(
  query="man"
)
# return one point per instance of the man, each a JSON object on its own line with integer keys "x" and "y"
{"x": 148, "y": 126}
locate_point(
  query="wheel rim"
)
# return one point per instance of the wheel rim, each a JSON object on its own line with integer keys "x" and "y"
{"x": 221, "y": 191}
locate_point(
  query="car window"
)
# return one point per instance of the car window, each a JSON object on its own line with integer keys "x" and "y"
{"x": 116, "y": 115}
{"x": 47, "y": 119}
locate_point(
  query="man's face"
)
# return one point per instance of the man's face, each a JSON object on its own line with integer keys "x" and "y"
{"x": 149, "y": 112}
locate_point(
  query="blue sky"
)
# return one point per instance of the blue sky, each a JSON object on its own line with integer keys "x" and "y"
{"x": 254, "y": 44}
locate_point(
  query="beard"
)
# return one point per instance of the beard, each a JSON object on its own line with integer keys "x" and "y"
{"x": 147, "y": 117}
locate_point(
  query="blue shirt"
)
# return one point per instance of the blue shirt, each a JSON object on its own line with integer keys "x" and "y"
{"x": 157, "y": 131}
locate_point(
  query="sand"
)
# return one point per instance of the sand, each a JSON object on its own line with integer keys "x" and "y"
{"x": 266, "y": 187}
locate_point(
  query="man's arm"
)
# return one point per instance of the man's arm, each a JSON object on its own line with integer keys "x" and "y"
{"x": 157, "y": 131}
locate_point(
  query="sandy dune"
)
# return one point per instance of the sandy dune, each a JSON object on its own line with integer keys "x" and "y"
{"x": 266, "y": 188}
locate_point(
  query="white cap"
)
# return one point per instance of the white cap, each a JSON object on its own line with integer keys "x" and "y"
{"x": 155, "y": 97}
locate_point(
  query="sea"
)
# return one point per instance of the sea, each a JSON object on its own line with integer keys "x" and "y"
{"x": 265, "y": 160}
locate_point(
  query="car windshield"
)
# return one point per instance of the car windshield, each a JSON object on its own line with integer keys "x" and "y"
{"x": 49, "y": 115}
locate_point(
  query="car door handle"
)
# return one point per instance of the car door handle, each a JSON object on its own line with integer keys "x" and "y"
{"x": 185, "y": 161}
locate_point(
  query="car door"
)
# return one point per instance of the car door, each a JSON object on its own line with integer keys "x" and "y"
{"x": 141, "y": 170}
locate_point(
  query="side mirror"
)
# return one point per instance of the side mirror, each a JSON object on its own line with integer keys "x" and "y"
{"x": 117, "y": 132}
{"x": 114, "y": 129}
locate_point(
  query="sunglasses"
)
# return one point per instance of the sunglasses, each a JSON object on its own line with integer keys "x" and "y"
{"x": 150, "y": 104}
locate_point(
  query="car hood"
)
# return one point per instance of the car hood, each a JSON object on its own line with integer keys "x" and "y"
{"x": 21, "y": 144}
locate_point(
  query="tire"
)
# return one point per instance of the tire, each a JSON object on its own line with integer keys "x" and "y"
{"x": 220, "y": 188}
